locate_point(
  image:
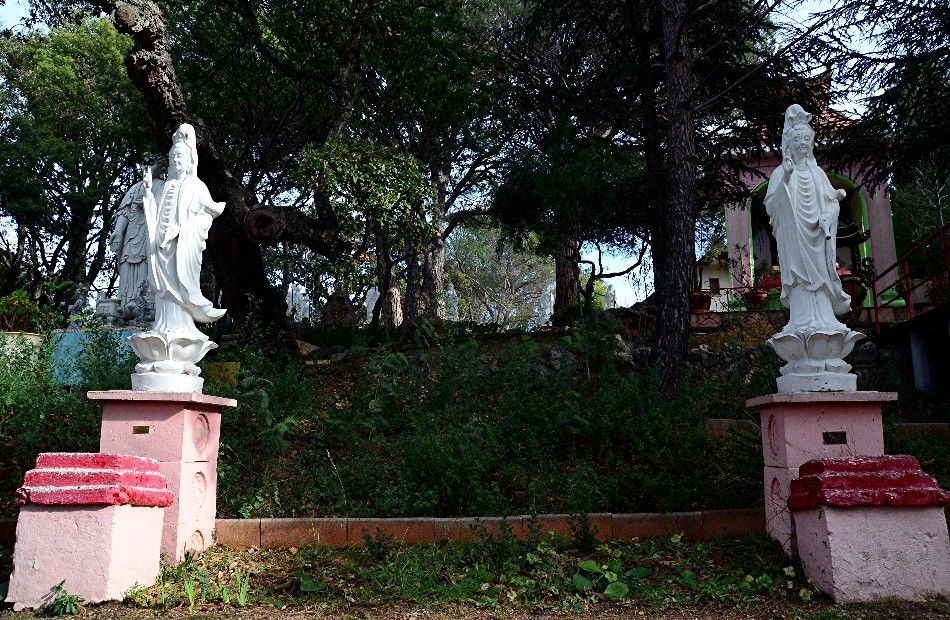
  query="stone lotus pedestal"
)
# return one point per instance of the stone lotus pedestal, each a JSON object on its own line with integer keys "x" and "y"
{"x": 91, "y": 520}
{"x": 800, "y": 426}
{"x": 870, "y": 528}
{"x": 182, "y": 432}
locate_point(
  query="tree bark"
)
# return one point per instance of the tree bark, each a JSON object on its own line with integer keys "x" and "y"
{"x": 567, "y": 280}
{"x": 433, "y": 265}
{"x": 678, "y": 235}
{"x": 235, "y": 237}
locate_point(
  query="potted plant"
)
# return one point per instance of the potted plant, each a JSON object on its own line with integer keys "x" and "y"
{"x": 19, "y": 316}
{"x": 765, "y": 279}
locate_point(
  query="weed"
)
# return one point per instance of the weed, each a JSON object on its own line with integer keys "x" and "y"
{"x": 63, "y": 603}
{"x": 243, "y": 585}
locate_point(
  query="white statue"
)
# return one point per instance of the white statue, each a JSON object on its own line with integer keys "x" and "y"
{"x": 610, "y": 298}
{"x": 451, "y": 303}
{"x": 178, "y": 214}
{"x": 803, "y": 207}
{"x": 372, "y": 296}
{"x": 129, "y": 241}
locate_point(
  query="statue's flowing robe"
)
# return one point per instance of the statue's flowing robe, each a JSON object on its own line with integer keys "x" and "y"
{"x": 806, "y": 257}
{"x": 183, "y": 210}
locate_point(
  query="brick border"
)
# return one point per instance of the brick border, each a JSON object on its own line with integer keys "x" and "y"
{"x": 343, "y": 532}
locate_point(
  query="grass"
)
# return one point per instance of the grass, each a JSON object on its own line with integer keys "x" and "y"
{"x": 543, "y": 573}
{"x": 544, "y": 576}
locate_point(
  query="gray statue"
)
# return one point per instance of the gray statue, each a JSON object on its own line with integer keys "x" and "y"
{"x": 129, "y": 241}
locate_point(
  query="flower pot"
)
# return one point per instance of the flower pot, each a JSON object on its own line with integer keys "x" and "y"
{"x": 699, "y": 301}
{"x": 756, "y": 298}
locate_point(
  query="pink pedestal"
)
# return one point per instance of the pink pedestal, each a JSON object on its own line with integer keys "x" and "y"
{"x": 800, "y": 426}
{"x": 182, "y": 432}
{"x": 872, "y": 528}
{"x": 91, "y": 520}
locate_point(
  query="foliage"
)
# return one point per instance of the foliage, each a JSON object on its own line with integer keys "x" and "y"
{"x": 18, "y": 313}
{"x": 495, "y": 282}
{"x": 72, "y": 128}
{"x": 39, "y": 414}
{"x": 63, "y": 603}
{"x": 511, "y": 427}
{"x": 538, "y": 572}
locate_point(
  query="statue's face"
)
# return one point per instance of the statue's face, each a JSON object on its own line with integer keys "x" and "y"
{"x": 179, "y": 160}
{"x": 801, "y": 143}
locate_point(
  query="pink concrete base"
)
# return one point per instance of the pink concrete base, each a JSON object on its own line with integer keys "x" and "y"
{"x": 778, "y": 519}
{"x": 798, "y": 427}
{"x": 182, "y": 432}
{"x": 181, "y": 539}
{"x": 870, "y": 553}
{"x": 188, "y": 526}
{"x": 100, "y": 551}
{"x": 194, "y": 486}
{"x": 160, "y": 425}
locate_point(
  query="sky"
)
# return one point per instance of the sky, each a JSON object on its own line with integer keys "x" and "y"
{"x": 12, "y": 12}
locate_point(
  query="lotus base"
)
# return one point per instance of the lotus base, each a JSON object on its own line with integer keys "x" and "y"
{"x": 159, "y": 382}
{"x": 820, "y": 382}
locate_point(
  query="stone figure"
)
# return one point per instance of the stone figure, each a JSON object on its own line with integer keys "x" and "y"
{"x": 129, "y": 241}
{"x": 610, "y": 298}
{"x": 803, "y": 207}
{"x": 178, "y": 214}
{"x": 372, "y": 296}
{"x": 451, "y": 303}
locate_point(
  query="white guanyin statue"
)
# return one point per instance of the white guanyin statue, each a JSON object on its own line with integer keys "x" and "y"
{"x": 178, "y": 214}
{"x": 803, "y": 207}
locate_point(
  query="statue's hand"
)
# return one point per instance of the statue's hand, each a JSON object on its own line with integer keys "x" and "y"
{"x": 788, "y": 166}
{"x": 840, "y": 194}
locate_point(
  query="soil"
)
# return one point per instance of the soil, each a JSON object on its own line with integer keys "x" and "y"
{"x": 933, "y": 610}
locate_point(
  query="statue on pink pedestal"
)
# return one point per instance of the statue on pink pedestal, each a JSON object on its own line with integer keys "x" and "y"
{"x": 803, "y": 207}
{"x": 178, "y": 214}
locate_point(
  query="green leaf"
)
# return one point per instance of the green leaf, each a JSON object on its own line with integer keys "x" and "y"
{"x": 307, "y": 583}
{"x": 582, "y": 583}
{"x": 616, "y": 590}
{"x": 590, "y": 566}
{"x": 639, "y": 572}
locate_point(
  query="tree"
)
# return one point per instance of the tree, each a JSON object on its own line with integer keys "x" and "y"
{"x": 495, "y": 281}
{"x": 70, "y": 137}
{"x": 377, "y": 194}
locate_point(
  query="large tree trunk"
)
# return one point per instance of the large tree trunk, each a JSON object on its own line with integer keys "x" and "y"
{"x": 567, "y": 280}
{"x": 235, "y": 238}
{"x": 433, "y": 265}
{"x": 679, "y": 215}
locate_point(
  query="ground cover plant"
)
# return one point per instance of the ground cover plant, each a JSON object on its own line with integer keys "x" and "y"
{"x": 481, "y": 427}
{"x": 496, "y": 577}
{"x": 543, "y": 572}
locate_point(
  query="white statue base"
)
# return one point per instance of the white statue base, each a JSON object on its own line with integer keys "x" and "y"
{"x": 157, "y": 382}
{"x": 815, "y": 360}
{"x": 169, "y": 360}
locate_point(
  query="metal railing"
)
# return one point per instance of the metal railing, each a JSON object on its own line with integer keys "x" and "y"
{"x": 926, "y": 264}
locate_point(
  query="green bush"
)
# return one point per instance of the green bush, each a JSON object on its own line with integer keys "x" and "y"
{"x": 38, "y": 414}
{"x": 475, "y": 430}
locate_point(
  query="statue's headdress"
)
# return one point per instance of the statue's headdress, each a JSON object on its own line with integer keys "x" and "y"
{"x": 796, "y": 118}
{"x": 185, "y": 134}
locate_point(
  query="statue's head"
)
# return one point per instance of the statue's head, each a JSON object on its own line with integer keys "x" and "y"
{"x": 183, "y": 156}
{"x": 798, "y": 138}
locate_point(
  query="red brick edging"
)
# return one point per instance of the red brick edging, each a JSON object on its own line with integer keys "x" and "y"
{"x": 343, "y": 532}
